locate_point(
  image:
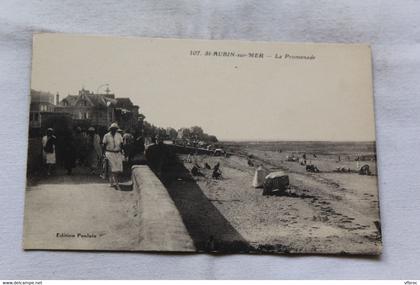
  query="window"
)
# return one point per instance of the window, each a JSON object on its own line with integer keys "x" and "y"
{"x": 36, "y": 116}
{"x": 83, "y": 115}
{"x": 44, "y": 108}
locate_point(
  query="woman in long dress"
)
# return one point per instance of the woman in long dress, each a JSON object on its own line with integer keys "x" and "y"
{"x": 94, "y": 150}
{"x": 48, "y": 150}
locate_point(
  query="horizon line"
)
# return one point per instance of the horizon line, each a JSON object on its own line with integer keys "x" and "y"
{"x": 296, "y": 140}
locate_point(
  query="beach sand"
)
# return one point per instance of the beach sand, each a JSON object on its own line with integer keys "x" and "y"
{"x": 329, "y": 212}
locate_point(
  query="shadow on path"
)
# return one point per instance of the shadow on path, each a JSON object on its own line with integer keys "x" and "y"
{"x": 208, "y": 228}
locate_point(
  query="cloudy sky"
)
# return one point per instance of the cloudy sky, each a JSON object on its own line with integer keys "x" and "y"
{"x": 235, "y": 98}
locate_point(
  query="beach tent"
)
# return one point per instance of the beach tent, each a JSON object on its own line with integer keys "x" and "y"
{"x": 259, "y": 177}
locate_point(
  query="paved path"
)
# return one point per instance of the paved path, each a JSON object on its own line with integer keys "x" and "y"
{"x": 80, "y": 212}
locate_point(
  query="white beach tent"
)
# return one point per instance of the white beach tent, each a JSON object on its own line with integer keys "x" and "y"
{"x": 259, "y": 177}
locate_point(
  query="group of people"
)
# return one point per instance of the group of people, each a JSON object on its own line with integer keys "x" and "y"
{"x": 196, "y": 168}
{"x": 86, "y": 149}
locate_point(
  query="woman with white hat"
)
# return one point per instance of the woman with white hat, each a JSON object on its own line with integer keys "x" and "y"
{"x": 112, "y": 143}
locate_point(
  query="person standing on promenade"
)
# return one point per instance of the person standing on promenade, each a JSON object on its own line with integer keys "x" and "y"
{"x": 139, "y": 145}
{"x": 112, "y": 144}
{"x": 128, "y": 143}
{"x": 80, "y": 142}
{"x": 94, "y": 150}
{"x": 48, "y": 149}
{"x": 68, "y": 150}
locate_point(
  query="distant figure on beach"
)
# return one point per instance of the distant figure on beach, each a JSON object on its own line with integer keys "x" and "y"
{"x": 216, "y": 166}
{"x": 312, "y": 168}
{"x": 217, "y": 173}
{"x": 48, "y": 150}
{"x": 195, "y": 171}
{"x": 302, "y": 161}
{"x": 250, "y": 163}
{"x": 364, "y": 170}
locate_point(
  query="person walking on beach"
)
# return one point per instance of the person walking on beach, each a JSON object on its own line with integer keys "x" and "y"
{"x": 48, "y": 149}
{"x": 94, "y": 150}
{"x": 112, "y": 144}
{"x": 217, "y": 173}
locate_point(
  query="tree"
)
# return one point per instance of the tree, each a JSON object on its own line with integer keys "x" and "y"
{"x": 197, "y": 132}
{"x": 171, "y": 133}
{"x": 149, "y": 129}
{"x": 212, "y": 139}
{"x": 161, "y": 132}
{"x": 185, "y": 133}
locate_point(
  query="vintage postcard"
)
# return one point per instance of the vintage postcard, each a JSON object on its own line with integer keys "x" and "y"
{"x": 140, "y": 144}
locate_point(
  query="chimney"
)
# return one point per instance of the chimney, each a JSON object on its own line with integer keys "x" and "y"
{"x": 57, "y": 99}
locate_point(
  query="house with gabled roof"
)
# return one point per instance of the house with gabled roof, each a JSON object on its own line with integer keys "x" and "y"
{"x": 41, "y": 103}
{"x": 100, "y": 110}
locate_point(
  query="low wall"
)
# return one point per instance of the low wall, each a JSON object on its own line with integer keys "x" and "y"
{"x": 162, "y": 228}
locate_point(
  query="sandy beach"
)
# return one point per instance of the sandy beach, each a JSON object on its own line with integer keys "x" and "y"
{"x": 328, "y": 212}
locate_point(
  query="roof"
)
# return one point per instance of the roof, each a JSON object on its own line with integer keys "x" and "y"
{"x": 95, "y": 99}
{"x": 124, "y": 102}
{"x": 99, "y": 99}
{"x": 276, "y": 174}
{"x": 71, "y": 100}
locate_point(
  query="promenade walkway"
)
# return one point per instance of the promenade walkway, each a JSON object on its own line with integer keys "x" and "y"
{"x": 82, "y": 212}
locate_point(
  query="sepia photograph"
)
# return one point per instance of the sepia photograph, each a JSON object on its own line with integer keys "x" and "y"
{"x": 209, "y": 146}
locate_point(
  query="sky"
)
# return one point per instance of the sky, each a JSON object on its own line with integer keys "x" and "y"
{"x": 328, "y": 98}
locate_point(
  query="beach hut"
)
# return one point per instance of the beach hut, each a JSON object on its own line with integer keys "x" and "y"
{"x": 275, "y": 182}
